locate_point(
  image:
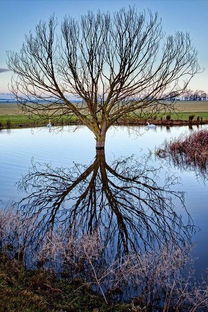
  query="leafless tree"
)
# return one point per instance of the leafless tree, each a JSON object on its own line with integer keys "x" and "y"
{"x": 116, "y": 64}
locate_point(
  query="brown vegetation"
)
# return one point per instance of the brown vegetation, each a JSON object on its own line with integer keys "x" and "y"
{"x": 191, "y": 151}
{"x": 156, "y": 277}
{"x": 180, "y": 106}
{"x": 191, "y": 106}
{"x": 9, "y": 109}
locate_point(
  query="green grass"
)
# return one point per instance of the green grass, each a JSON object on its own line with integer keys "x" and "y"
{"x": 38, "y": 291}
{"x": 185, "y": 115}
{"x": 18, "y": 121}
{"x": 21, "y": 121}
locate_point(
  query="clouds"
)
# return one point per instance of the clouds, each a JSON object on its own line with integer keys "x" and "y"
{"x": 2, "y": 70}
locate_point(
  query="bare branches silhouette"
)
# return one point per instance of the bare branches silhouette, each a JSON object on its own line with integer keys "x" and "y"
{"x": 115, "y": 63}
{"x": 122, "y": 201}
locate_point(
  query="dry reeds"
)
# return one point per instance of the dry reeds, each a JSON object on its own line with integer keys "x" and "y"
{"x": 155, "y": 278}
{"x": 191, "y": 151}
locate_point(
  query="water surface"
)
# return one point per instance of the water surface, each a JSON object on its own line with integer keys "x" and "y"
{"x": 64, "y": 147}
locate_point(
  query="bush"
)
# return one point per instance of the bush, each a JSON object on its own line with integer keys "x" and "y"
{"x": 191, "y": 151}
{"x": 191, "y": 117}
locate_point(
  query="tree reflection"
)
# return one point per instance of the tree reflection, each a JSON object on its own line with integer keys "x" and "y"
{"x": 122, "y": 200}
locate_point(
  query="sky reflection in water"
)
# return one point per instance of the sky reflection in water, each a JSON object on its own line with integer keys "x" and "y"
{"x": 72, "y": 145}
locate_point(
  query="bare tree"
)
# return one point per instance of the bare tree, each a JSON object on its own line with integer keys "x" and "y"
{"x": 116, "y": 64}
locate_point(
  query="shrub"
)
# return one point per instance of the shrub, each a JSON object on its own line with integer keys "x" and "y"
{"x": 191, "y": 151}
{"x": 191, "y": 117}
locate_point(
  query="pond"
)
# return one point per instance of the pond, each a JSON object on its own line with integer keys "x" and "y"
{"x": 128, "y": 167}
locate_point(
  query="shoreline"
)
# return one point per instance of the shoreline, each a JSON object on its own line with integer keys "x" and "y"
{"x": 185, "y": 113}
{"x": 10, "y": 124}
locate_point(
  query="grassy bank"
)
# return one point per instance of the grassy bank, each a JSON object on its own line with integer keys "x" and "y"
{"x": 181, "y": 118}
{"x": 23, "y": 121}
{"x": 172, "y": 118}
{"x": 195, "y": 112}
{"x": 38, "y": 291}
{"x": 155, "y": 277}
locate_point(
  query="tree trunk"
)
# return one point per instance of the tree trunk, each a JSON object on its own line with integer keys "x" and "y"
{"x": 100, "y": 142}
{"x": 100, "y": 138}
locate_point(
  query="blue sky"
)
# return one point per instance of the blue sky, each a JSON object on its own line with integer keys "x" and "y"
{"x": 18, "y": 17}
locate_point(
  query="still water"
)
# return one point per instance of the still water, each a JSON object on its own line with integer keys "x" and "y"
{"x": 63, "y": 148}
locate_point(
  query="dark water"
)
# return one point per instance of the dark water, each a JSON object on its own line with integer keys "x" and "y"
{"x": 129, "y": 160}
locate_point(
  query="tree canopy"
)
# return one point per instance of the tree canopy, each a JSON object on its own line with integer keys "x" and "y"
{"x": 114, "y": 63}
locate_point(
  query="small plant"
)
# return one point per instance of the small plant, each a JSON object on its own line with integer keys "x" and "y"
{"x": 168, "y": 117}
{"x": 191, "y": 118}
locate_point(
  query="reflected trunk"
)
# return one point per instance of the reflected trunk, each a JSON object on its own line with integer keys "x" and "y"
{"x": 121, "y": 200}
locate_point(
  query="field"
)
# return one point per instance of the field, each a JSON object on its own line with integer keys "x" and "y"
{"x": 183, "y": 106}
{"x": 12, "y": 117}
{"x": 9, "y": 109}
{"x": 192, "y": 106}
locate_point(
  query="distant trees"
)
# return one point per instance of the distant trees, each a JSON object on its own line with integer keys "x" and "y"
{"x": 197, "y": 95}
{"x": 116, "y": 64}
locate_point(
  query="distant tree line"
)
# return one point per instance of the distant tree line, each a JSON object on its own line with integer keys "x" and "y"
{"x": 198, "y": 95}
{"x": 191, "y": 95}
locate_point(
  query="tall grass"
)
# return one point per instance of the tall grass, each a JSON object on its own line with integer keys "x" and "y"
{"x": 155, "y": 279}
{"x": 191, "y": 151}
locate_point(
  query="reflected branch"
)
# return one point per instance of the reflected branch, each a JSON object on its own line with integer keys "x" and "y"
{"x": 121, "y": 200}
